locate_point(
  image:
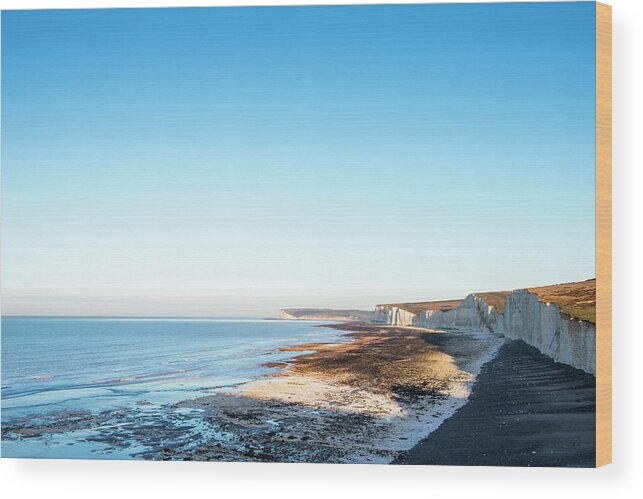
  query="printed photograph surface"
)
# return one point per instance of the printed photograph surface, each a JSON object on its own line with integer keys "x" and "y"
{"x": 320, "y": 234}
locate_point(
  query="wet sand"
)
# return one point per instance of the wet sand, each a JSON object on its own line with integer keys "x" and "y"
{"x": 363, "y": 401}
{"x": 524, "y": 410}
{"x": 381, "y": 368}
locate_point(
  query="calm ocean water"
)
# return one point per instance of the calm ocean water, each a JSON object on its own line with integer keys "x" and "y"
{"x": 55, "y": 364}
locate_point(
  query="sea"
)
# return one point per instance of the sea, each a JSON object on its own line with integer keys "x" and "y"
{"x": 63, "y": 365}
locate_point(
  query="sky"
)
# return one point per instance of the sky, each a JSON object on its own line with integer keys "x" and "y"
{"x": 233, "y": 161}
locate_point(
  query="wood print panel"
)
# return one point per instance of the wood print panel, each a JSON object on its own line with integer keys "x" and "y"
{"x": 603, "y": 234}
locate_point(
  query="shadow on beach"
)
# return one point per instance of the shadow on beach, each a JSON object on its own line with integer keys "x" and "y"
{"x": 524, "y": 410}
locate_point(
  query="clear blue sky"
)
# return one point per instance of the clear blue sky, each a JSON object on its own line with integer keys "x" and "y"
{"x": 231, "y": 161}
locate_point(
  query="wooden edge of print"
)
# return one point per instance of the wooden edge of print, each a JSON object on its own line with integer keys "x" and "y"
{"x": 603, "y": 234}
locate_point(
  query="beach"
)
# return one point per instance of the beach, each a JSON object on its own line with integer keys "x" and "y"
{"x": 358, "y": 393}
{"x": 524, "y": 410}
{"x": 363, "y": 401}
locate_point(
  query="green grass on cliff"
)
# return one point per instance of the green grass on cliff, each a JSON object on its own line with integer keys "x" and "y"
{"x": 495, "y": 299}
{"x": 575, "y": 299}
{"x": 417, "y": 307}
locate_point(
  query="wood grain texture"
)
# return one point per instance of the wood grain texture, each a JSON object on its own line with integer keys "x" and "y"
{"x": 603, "y": 234}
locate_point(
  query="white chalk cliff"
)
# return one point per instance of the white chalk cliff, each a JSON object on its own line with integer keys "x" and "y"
{"x": 543, "y": 326}
{"x": 472, "y": 315}
{"x": 525, "y": 317}
{"x": 324, "y": 314}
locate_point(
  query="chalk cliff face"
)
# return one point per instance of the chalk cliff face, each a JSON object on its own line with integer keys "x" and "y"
{"x": 541, "y": 325}
{"x": 395, "y": 316}
{"x": 285, "y": 316}
{"x": 324, "y": 314}
{"x": 472, "y": 315}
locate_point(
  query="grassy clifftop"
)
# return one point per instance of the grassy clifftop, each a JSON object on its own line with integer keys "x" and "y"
{"x": 575, "y": 299}
{"x": 495, "y": 299}
{"x": 417, "y": 307}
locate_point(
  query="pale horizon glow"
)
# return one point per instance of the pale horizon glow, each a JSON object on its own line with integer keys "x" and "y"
{"x": 206, "y": 162}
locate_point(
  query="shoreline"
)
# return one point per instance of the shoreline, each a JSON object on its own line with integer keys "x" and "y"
{"x": 363, "y": 397}
{"x": 362, "y": 401}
